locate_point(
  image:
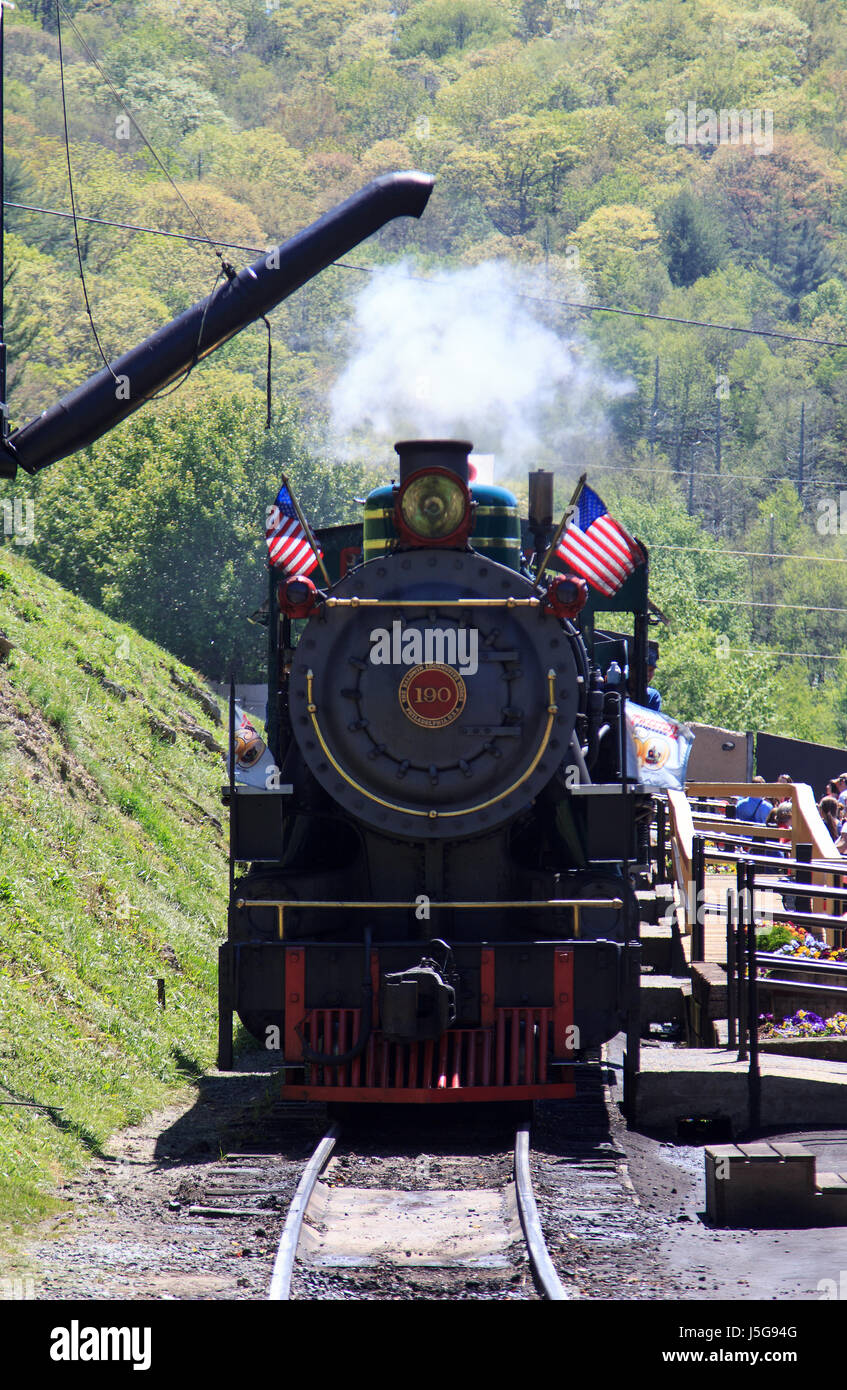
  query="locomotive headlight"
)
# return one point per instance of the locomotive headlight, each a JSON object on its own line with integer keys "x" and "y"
{"x": 298, "y": 597}
{"x": 433, "y": 508}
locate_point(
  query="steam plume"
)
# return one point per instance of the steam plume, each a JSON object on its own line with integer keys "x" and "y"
{"x": 467, "y": 355}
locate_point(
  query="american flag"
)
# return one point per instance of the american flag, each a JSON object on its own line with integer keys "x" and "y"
{"x": 289, "y": 547}
{"x": 597, "y": 547}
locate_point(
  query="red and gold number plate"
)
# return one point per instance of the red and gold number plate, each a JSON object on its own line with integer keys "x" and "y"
{"x": 432, "y": 696}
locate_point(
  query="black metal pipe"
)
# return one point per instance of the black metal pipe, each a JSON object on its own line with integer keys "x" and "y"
{"x": 804, "y": 856}
{"x": 233, "y": 803}
{"x": 740, "y": 955}
{"x": 661, "y": 841}
{"x": 697, "y": 889}
{"x": 632, "y": 1055}
{"x": 754, "y": 1080}
{"x": 731, "y": 1006}
{"x": 110, "y": 395}
{"x": 594, "y": 712}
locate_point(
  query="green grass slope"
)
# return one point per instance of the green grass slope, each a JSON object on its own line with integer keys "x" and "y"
{"x": 112, "y": 875}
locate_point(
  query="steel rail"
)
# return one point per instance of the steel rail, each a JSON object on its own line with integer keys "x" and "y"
{"x": 542, "y": 1266}
{"x": 280, "y": 1290}
{"x": 548, "y": 1280}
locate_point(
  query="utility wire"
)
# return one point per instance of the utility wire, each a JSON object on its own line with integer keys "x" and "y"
{"x": 73, "y": 200}
{"x": 262, "y": 250}
{"x": 429, "y": 280}
{"x": 118, "y": 98}
{"x": 225, "y": 270}
{"x": 134, "y": 227}
{"x": 764, "y": 651}
{"x": 750, "y": 554}
{"x": 740, "y": 477}
{"x": 756, "y": 603}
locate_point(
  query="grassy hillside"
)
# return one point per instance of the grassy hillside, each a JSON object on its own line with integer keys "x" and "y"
{"x": 112, "y": 875}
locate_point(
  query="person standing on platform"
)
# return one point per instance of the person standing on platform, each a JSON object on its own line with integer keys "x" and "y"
{"x": 754, "y": 808}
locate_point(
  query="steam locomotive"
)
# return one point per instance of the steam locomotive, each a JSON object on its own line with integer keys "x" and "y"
{"x": 438, "y": 905}
{"x": 435, "y": 898}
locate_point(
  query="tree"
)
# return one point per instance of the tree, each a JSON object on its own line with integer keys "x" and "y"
{"x": 161, "y": 523}
{"x": 693, "y": 239}
{"x": 518, "y": 177}
{"x": 439, "y": 27}
{"x": 619, "y": 246}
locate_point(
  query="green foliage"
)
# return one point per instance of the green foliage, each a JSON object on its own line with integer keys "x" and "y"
{"x": 693, "y": 240}
{"x": 546, "y": 126}
{"x": 439, "y": 27}
{"x": 771, "y": 940}
{"x": 162, "y": 524}
{"x": 113, "y": 863}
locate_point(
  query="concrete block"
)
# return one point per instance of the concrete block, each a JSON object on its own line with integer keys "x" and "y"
{"x": 662, "y": 998}
{"x": 657, "y": 948}
{"x": 649, "y": 907}
{"x": 797, "y": 1092}
{"x": 759, "y": 1184}
{"x": 829, "y": 1204}
{"x": 832, "y": 1182}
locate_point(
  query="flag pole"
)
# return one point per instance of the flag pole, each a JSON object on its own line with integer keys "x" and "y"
{"x": 562, "y": 524}
{"x": 307, "y": 528}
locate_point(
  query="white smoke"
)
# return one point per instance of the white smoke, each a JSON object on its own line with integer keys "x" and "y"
{"x": 483, "y": 354}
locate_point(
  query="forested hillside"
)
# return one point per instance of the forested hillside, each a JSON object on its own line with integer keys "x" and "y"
{"x": 679, "y": 158}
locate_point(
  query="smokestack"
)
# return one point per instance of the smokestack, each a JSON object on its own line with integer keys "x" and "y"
{"x": 451, "y": 454}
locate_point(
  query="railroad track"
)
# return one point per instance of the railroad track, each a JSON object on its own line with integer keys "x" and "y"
{"x": 407, "y": 1225}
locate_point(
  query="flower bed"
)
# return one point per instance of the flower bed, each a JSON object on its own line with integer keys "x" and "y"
{"x": 806, "y": 947}
{"x": 805, "y": 1034}
{"x": 803, "y": 1024}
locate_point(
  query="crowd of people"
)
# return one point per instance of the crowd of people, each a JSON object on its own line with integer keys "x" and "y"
{"x": 833, "y": 811}
{"x": 832, "y": 808}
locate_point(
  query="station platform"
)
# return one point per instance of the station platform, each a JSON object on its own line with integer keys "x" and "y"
{"x": 679, "y": 1083}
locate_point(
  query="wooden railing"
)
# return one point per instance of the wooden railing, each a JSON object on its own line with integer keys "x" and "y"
{"x": 807, "y": 828}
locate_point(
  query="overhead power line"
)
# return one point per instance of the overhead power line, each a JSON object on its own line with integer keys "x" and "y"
{"x": 134, "y": 227}
{"x": 756, "y": 603}
{"x": 736, "y": 477}
{"x": 93, "y": 59}
{"x": 750, "y": 554}
{"x": 432, "y": 280}
{"x": 765, "y": 651}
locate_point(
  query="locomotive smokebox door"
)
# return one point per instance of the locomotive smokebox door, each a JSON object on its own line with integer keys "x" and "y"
{"x": 432, "y": 696}
{"x": 416, "y": 1005}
